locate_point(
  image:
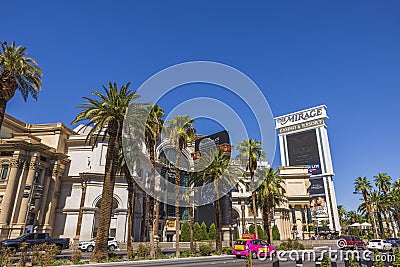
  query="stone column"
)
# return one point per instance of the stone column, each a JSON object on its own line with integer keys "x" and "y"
{"x": 9, "y": 195}
{"x": 29, "y": 181}
{"x": 54, "y": 194}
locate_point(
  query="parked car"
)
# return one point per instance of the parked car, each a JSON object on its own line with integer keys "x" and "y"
{"x": 89, "y": 245}
{"x": 394, "y": 241}
{"x": 35, "y": 239}
{"x": 379, "y": 244}
{"x": 254, "y": 247}
{"x": 350, "y": 241}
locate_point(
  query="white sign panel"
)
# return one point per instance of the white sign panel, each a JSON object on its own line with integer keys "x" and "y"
{"x": 301, "y": 116}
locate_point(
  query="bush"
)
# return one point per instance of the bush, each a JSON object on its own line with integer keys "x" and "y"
{"x": 396, "y": 262}
{"x": 275, "y": 233}
{"x": 261, "y": 233}
{"x": 76, "y": 256}
{"x": 252, "y": 229}
{"x": 204, "y": 233}
{"x": 197, "y": 231}
{"x": 185, "y": 232}
{"x": 212, "y": 232}
{"x": 205, "y": 250}
{"x": 185, "y": 254}
{"x": 325, "y": 261}
{"x": 143, "y": 251}
{"x": 6, "y": 256}
{"x": 291, "y": 244}
{"x": 227, "y": 250}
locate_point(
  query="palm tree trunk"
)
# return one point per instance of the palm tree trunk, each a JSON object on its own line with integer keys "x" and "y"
{"x": 191, "y": 221}
{"x": 100, "y": 253}
{"x": 3, "y": 105}
{"x": 242, "y": 207}
{"x": 269, "y": 222}
{"x": 253, "y": 198}
{"x": 131, "y": 210}
{"x": 371, "y": 218}
{"x": 380, "y": 222}
{"x": 157, "y": 211}
{"x": 177, "y": 195}
{"x": 218, "y": 222}
{"x": 8, "y": 86}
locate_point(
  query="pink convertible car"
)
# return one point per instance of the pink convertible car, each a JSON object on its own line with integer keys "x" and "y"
{"x": 254, "y": 247}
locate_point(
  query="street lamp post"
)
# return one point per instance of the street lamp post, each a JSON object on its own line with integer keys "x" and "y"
{"x": 34, "y": 193}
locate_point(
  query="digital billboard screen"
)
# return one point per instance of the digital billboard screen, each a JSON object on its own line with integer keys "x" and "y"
{"x": 303, "y": 149}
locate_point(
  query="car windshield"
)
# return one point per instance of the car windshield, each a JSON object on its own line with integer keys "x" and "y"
{"x": 22, "y": 236}
{"x": 375, "y": 240}
{"x": 240, "y": 242}
{"x": 92, "y": 240}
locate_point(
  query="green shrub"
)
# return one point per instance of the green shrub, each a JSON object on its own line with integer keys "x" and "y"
{"x": 205, "y": 250}
{"x": 197, "y": 231}
{"x": 275, "y": 233}
{"x": 185, "y": 232}
{"x": 185, "y": 254}
{"x": 76, "y": 256}
{"x": 261, "y": 233}
{"x": 396, "y": 254}
{"x": 212, "y": 232}
{"x": 291, "y": 244}
{"x": 6, "y": 256}
{"x": 377, "y": 260}
{"x": 252, "y": 229}
{"x": 204, "y": 233}
{"x": 325, "y": 261}
{"x": 143, "y": 251}
{"x": 227, "y": 250}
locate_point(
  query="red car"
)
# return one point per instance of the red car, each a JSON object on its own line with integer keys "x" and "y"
{"x": 350, "y": 241}
{"x": 254, "y": 247}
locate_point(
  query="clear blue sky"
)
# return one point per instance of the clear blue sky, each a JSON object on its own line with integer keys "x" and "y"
{"x": 345, "y": 54}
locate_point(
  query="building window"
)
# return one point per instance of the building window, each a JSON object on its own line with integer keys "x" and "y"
{"x": 4, "y": 172}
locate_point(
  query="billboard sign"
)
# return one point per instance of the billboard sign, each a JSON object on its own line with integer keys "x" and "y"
{"x": 317, "y": 187}
{"x": 318, "y": 207}
{"x": 303, "y": 148}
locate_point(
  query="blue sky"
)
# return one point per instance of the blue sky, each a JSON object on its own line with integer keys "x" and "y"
{"x": 344, "y": 54}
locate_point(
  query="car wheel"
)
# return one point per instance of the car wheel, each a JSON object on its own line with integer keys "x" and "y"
{"x": 89, "y": 248}
{"x": 111, "y": 248}
{"x": 238, "y": 256}
{"x": 254, "y": 255}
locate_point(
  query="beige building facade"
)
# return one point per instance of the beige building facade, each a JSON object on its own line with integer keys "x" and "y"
{"x": 32, "y": 161}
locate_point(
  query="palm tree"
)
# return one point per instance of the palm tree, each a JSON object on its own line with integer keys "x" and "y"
{"x": 152, "y": 131}
{"x": 17, "y": 72}
{"x": 181, "y": 132}
{"x": 383, "y": 182}
{"x": 363, "y": 186}
{"x": 376, "y": 205}
{"x": 269, "y": 194}
{"x": 249, "y": 152}
{"x": 342, "y": 214}
{"x": 394, "y": 197}
{"x": 134, "y": 146}
{"x": 216, "y": 169}
{"x": 106, "y": 116}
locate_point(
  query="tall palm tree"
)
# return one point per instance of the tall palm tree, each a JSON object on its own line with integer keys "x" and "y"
{"x": 152, "y": 131}
{"x": 106, "y": 116}
{"x": 383, "y": 182}
{"x": 134, "y": 146}
{"x": 363, "y": 186}
{"x": 249, "y": 152}
{"x": 215, "y": 169}
{"x": 269, "y": 194}
{"x": 394, "y": 197}
{"x": 376, "y": 205}
{"x": 17, "y": 72}
{"x": 181, "y": 132}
